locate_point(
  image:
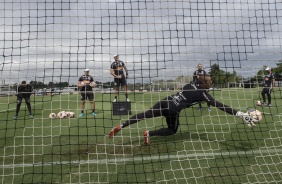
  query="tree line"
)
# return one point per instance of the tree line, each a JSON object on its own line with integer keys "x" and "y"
{"x": 219, "y": 77}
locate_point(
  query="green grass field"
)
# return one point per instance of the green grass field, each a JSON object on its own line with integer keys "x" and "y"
{"x": 208, "y": 147}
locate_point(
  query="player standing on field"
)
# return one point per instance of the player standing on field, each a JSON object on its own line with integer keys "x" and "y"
{"x": 171, "y": 106}
{"x": 268, "y": 85}
{"x": 196, "y": 75}
{"x": 85, "y": 84}
{"x": 117, "y": 68}
{"x": 24, "y": 91}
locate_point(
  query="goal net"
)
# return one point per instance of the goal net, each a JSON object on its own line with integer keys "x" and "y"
{"x": 50, "y": 43}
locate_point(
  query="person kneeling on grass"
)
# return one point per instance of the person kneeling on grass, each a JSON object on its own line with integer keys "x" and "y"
{"x": 171, "y": 106}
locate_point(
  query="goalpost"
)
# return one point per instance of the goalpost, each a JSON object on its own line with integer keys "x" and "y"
{"x": 49, "y": 44}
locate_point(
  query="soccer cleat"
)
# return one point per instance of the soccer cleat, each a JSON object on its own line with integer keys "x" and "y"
{"x": 115, "y": 100}
{"x": 16, "y": 117}
{"x": 264, "y": 103}
{"x": 31, "y": 116}
{"x": 127, "y": 99}
{"x": 209, "y": 109}
{"x": 146, "y": 138}
{"x": 269, "y": 105}
{"x": 81, "y": 115}
{"x": 114, "y": 131}
{"x": 94, "y": 114}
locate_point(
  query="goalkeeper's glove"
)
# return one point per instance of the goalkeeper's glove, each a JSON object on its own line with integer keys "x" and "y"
{"x": 247, "y": 118}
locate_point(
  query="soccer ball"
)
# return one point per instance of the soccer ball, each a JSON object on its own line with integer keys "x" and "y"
{"x": 258, "y": 103}
{"x": 72, "y": 114}
{"x": 62, "y": 114}
{"x": 52, "y": 115}
{"x": 69, "y": 114}
{"x": 256, "y": 115}
{"x": 93, "y": 84}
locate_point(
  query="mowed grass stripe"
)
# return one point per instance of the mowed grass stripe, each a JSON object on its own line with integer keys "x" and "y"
{"x": 118, "y": 160}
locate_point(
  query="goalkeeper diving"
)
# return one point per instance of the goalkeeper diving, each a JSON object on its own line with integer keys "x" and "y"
{"x": 171, "y": 106}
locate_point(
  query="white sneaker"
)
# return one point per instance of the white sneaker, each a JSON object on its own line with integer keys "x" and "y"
{"x": 127, "y": 99}
{"x": 115, "y": 100}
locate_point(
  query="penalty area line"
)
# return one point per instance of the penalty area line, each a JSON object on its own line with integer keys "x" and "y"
{"x": 120, "y": 160}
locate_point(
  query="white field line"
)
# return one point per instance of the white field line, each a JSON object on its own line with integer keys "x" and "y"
{"x": 120, "y": 160}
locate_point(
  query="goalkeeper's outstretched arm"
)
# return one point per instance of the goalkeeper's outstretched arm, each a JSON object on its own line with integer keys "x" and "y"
{"x": 245, "y": 116}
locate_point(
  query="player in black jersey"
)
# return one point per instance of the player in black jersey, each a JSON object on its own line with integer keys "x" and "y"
{"x": 24, "y": 91}
{"x": 117, "y": 68}
{"x": 85, "y": 84}
{"x": 268, "y": 85}
{"x": 171, "y": 106}
{"x": 197, "y": 73}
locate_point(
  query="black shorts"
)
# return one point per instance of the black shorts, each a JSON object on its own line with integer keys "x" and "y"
{"x": 266, "y": 90}
{"x": 87, "y": 95}
{"x": 20, "y": 97}
{"x": 120, "y": 82}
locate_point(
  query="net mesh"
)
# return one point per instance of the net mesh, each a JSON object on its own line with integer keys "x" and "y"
{"x": 49, "y": 43}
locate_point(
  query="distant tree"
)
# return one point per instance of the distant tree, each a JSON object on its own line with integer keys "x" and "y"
{"x": 51, "y": 84}
{"x": 33, "y": 83}
{"x": 62, "y": 84}
{"x": 278, "y": 69}
{"x": 220, "y": 77}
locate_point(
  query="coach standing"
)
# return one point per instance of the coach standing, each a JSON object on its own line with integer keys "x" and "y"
{"x": 117, "y": 70}
{"x": 85, "y": 84}
{"x": 23, "y": 92}
{"x": 196, "y": 76}
{"x": 268, "y": 86}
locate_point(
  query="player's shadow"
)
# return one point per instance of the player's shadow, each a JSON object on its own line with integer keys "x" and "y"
{"x": 241, "y": 145}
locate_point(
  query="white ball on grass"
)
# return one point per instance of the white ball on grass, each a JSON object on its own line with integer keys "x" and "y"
{"x": 69, "y": 114}
{"x": 52, "y": 115}
{"x": 258, "y": 103}
{"x": 61, "y": 114}
{"x": 256, "y": 115}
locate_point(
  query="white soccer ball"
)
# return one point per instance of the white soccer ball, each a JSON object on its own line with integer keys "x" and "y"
{"x": 256, "y": 115}
{"x": 69, "y": 114}
{"x": 72, "y": 114}
{"x": 52, "y": 116}
{"x": 258, "y": 103}
{"x": 62, "y": 114}
{"x": 93, "y": 84}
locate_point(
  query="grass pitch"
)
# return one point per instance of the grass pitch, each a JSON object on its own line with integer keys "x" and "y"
{"x": 209, "y": 147}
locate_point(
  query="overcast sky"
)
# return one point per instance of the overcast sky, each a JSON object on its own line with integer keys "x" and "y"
{"x": 53, "y": 40}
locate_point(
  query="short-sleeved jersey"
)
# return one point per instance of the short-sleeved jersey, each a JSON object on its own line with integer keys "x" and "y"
{"x": 25, "y": 91}
{"x": 191, "y": 95}
{"x": 198, "y": 72}
{"x": 268, "y": 80}
{"x": 88, "y": 78}
{"x": 118, "y": 66}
